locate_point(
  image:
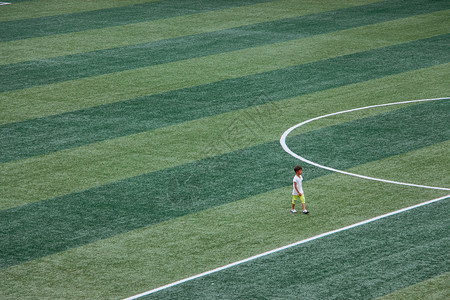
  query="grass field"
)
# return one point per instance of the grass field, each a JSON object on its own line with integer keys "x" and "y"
{"x": 140, "y": 146}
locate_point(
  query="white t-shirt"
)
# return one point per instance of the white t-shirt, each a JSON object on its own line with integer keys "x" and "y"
{"x": 299, "y": 181}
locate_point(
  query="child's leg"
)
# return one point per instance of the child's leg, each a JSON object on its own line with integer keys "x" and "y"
{"x": 294, "y": 201}
{"x": 302, "y": 199}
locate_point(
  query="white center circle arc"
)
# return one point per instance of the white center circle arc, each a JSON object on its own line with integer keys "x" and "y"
{"x": 286, "y": 148}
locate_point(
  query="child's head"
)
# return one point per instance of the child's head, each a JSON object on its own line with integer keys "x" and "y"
{"x": 298, "y": 170}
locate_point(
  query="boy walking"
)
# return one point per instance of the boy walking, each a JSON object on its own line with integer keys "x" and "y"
{"x": 297, "y": 192}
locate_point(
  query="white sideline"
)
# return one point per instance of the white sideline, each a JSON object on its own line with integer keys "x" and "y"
{"x": 284, "y": 248}
{"x": 286, "y": 148}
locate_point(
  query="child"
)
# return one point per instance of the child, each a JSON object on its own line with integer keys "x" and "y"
{"x": 297, "y": 192}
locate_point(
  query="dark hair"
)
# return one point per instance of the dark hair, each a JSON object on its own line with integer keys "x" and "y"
{"x": 297, "y": 168}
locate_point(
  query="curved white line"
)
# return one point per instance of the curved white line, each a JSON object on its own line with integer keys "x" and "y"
{"x": 286, "y": 148}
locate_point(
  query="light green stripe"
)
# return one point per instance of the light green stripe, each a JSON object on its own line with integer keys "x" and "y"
{"x": 45, "y": 8}
{"x": 156, "y": 255}
{"x": 87, "y": 92}
{"x": 72, "y": 170}
{"x": 437, "y": 288}
{"x": 120, "y": 36}
{"x": 426, "y": 166}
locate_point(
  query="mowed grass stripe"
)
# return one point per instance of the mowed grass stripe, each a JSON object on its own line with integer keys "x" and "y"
{"x": 146, "y": 32}
{"x": 408, "y": 167}
{"x": 45, "y": 26}
{"x": 162, "y": 253}
{"x": 42, "y": 8}
{"x": 434, "y": 288}
{"x": 101, "y": 163}
{"x": 65, "y": 68}
{"x": 46, "y": 135}
{"x": 361, "y": 263}
{"x": 88, "y": 92}
{"x": 50, "y": 226}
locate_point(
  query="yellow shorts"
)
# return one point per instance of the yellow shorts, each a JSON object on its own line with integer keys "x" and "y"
{"x": 297, "y": 197}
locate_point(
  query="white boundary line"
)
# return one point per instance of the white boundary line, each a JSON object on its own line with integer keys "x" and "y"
{"x": 286, "y": 148}
{"x": 283, "y": 143}
{"x": 284, "y": 248}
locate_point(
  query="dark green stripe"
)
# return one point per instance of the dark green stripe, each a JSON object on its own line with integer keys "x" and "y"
{"x": 43, "y": 228}
{"x": 49, "y": 134}
{"x": 45, "y": 26}
{"x": 362, "y": 263}
{"x": 33, "y": 73}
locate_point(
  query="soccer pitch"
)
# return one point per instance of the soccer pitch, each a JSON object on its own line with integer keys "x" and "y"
{"x": 141, "y": 156}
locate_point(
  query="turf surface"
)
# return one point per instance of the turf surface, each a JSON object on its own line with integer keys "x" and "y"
{"x": 98, "y": 123}
{"x": 185, "y": 246}
{"x": 86, "y": 167}
{"x": 163, "y": 29}
{"x": 141, "y": 55}
{"x": 435, "y": 288}
{"x": 52, "y": 25}
{"x": 139, "y": 145}
{"x": 41, "y": 8}
{"x": 125, "y": 85}
{"x": 362, "y": 263}
{"x": 53, "y": 225}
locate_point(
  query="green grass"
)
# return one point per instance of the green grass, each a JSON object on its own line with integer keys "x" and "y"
{"x": 376, "y": 137}
{"x": 140, "y": 146}
{"x": 41, "y": 229}
{"x": 92, "y": 91}
{"x": 36, "y": 136}
{"x": 361, "y": 263}
{"x": 113, "y": 16}
{"x": 435, "y": 288}
{"x": 142, "y": 55}
{"x": 101, "y": 163}
{"x": 163, "y": 253}
{"x": 163, "y": 29}
{"x": 42, "y": 8}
